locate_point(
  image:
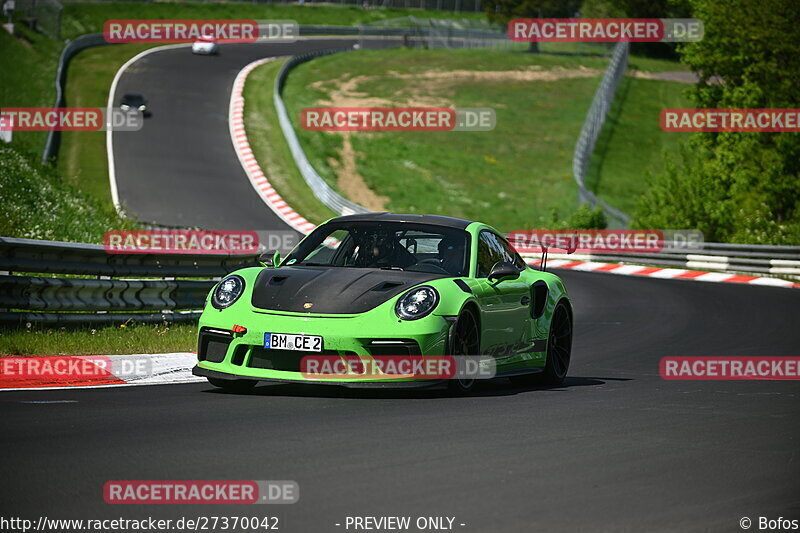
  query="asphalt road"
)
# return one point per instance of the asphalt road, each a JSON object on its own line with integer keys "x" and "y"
{"x": 615, "y": 448}
{"x": 181, "y": 169}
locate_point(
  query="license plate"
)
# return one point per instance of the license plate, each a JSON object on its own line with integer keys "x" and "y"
{"x": 289, "y": 341}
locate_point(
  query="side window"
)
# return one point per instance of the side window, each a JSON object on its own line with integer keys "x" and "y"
{"x": 513, "y": 256}
{"x": 490, "y": 252}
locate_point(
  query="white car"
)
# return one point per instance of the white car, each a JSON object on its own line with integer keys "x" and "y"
{"x": 205, "y": 45}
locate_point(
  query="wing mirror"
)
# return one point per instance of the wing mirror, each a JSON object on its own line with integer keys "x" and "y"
{"x": 503, "y": 271}
{"x": 270, "y": 259}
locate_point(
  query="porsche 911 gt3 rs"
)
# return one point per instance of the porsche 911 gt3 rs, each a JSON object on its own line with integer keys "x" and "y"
{"x": 382, "y": 284}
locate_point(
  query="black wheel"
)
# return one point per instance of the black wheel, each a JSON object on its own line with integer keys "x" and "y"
{"x": 559, "y": 351}
{"x": 233, "y": 385}
{"x": 466, "y": 340}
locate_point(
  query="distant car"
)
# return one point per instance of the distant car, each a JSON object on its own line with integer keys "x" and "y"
{"x": 205, "y": 45}
{"x": 134, "y": 102}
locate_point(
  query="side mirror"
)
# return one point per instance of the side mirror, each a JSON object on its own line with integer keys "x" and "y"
{"x": 270, "y": 259}
{"x": 503, "y": 271}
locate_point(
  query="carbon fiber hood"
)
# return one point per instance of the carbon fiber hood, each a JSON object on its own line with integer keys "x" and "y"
{"x": 331, "y": 290}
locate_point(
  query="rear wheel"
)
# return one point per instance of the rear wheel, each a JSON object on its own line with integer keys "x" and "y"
{"x": 559, "y": 351}
{"x": 466, "y": 340}
{"x": 233, "y": 385}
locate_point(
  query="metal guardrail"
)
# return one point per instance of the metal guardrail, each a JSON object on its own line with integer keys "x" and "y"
{"x": 53, "y": 141}
{"x": 103, "y": 300}
{"x": 318, "y": 185}
{"x": 755, "y": 259}
{"x": 595, "y": 119}
{"x": 110, "y": 297}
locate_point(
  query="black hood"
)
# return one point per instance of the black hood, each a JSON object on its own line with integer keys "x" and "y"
{"x": 333, "y": 290}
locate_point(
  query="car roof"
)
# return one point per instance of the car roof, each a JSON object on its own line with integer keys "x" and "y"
{"x": 433, "y": 220}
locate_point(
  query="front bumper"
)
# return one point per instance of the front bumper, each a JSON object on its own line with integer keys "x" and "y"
{"x": 242, "y": 356}
{"x": 393, "y": 384}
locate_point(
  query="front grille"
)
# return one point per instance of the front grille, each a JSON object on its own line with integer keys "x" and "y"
{"x": 393, "y": 347}
{"x": 283, "y": 360}
{"x": 213, "y": 347}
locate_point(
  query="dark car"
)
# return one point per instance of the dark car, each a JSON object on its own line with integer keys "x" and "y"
{"x": 134, "y": 102}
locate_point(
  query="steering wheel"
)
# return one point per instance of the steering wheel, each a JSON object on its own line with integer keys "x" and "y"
{"x": 432, "y": 261}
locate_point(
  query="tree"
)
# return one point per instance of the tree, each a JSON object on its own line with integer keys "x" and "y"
{"x": 738, "y": 187}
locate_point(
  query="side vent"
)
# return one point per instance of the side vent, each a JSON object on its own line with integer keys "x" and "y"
{"x": 538, "y": 298}
{"x": 462, "y": 285}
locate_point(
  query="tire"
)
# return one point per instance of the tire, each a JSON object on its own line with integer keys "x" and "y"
{"x": 238, "y": 386}
{"x": 559, "y": 351}
{"x": 466, "y": 340}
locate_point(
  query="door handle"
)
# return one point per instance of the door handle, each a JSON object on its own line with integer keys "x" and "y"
{"x": 525, "y": 300}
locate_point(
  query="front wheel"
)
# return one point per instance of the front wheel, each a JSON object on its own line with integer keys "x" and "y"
{"x": 233, "y": 385}
{"x": 466, "y": 340}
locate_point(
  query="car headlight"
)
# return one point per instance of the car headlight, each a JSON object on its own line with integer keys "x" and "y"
{"x": 125, "y": 107}
{"x": 142, "y": 107}
{"x": 227, "y": 292}
{"x": 417, "y": 303}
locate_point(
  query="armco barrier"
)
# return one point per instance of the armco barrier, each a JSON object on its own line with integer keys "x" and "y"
{"x": 70, "y": 50}
{"x": 104, "y": 300}
{"x": 318, "y": 186}
{"x": 747, "y": 259}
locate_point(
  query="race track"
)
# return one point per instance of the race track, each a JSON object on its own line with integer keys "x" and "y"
{"x": 615, "y": 448}
{"x": 181, "y": 169}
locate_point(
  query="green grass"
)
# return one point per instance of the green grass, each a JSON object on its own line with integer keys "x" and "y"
{"x": 80, "y": 18}
{"x": 631, "y": 147}
{"x": 511, "y": 177}
{"x": 270, "y": 148}
{"x": 520, "y": 174}
{"x": 27, "y": 79}
{"x": 82, "y": 159}
{"x": 101, "y": 341}
{"x": 38, "y": 204}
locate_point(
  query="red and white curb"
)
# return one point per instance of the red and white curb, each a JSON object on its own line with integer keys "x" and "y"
{"x": 665, "y": 273}
{"x": 240, "y": 143}
{"x": 162, "y": 369}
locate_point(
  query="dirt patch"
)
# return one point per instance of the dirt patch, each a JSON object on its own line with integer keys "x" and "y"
{"x": 679, "y": 76}
{"x": 344, "y": 91}
{"x": 426, "y": 89}
{"x": 350, "y": 182}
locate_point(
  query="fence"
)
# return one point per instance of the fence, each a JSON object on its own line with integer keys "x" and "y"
{"x": 114, "y": 288}
{"x": 595, "y": 119}
{"x": 436, "y": 33}
{"x": 439, "y": 5}
{"x": 41, "y": 15}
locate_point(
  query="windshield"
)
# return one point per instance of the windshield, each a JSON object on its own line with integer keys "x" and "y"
{"x": 393, "y": 246}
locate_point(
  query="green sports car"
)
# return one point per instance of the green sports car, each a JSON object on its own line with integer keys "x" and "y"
{"x": 385, "y": 285}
